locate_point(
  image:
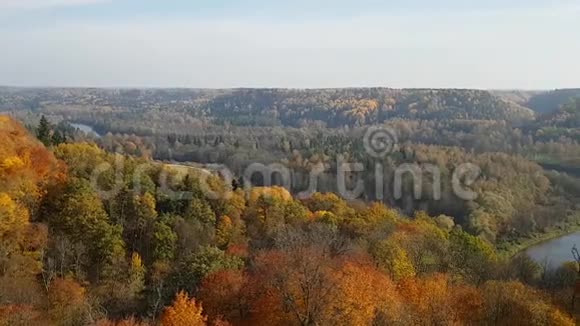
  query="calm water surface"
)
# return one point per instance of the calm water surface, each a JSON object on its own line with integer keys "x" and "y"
{"x": 556, "y": 251}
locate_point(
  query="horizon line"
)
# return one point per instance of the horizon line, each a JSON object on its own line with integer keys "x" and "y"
{"x": 515, "y": 89}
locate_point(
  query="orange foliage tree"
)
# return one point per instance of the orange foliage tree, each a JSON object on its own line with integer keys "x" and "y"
{"x": 67, "y": 302}
{"x": 513, "y": 303}
{"x": 224, "y": 295}
{"x": 365, "y": 295}
{"x": 437, "y": 300}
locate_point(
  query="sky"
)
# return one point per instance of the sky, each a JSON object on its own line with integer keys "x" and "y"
{"x": 491, "y": 44}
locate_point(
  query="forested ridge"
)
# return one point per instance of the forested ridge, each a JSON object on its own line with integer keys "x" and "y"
{"x": 267, "y": 107}
{"x": 72, "y": 256}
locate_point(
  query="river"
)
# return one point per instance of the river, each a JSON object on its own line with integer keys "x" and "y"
{"x": 556, "y": 251}
{"x": 85, "y": 128}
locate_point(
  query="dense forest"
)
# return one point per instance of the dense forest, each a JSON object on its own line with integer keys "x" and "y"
{"x": 516, "y": 148}
{"x": 142, "y": 257}
{"x": 141, "y": 243}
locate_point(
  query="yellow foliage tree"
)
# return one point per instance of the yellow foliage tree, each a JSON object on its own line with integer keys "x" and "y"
{"x": 25, "y": 165}
{"x": 13, "y": 217}
{"x": 275, "y": 193}
{"x": 183, "y": 311}
{"x": 394, "y": 259}
{"x": 20, "y": 240}
{"x": 224, "y": 231}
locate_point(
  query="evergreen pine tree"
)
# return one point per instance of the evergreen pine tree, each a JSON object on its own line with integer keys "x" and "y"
{"x": 58, "y": 138}
{"x": 43, "y": 131}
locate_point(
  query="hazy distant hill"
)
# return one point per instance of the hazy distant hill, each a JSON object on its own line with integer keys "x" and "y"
{"x": 548, "y": 102}
{"x": 338, "y": 107}
{"x": 270, "y": 107}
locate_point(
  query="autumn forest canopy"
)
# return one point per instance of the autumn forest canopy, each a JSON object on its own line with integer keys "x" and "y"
{"x": 157, "y": 250}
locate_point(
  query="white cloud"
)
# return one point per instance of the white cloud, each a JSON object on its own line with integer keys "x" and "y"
{"x": 39, "y": 4}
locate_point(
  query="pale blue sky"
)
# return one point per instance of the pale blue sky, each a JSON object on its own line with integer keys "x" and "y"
{"x": 528, "y": 44}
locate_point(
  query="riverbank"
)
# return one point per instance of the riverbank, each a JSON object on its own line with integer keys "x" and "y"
{"x": 510, "y": 249}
